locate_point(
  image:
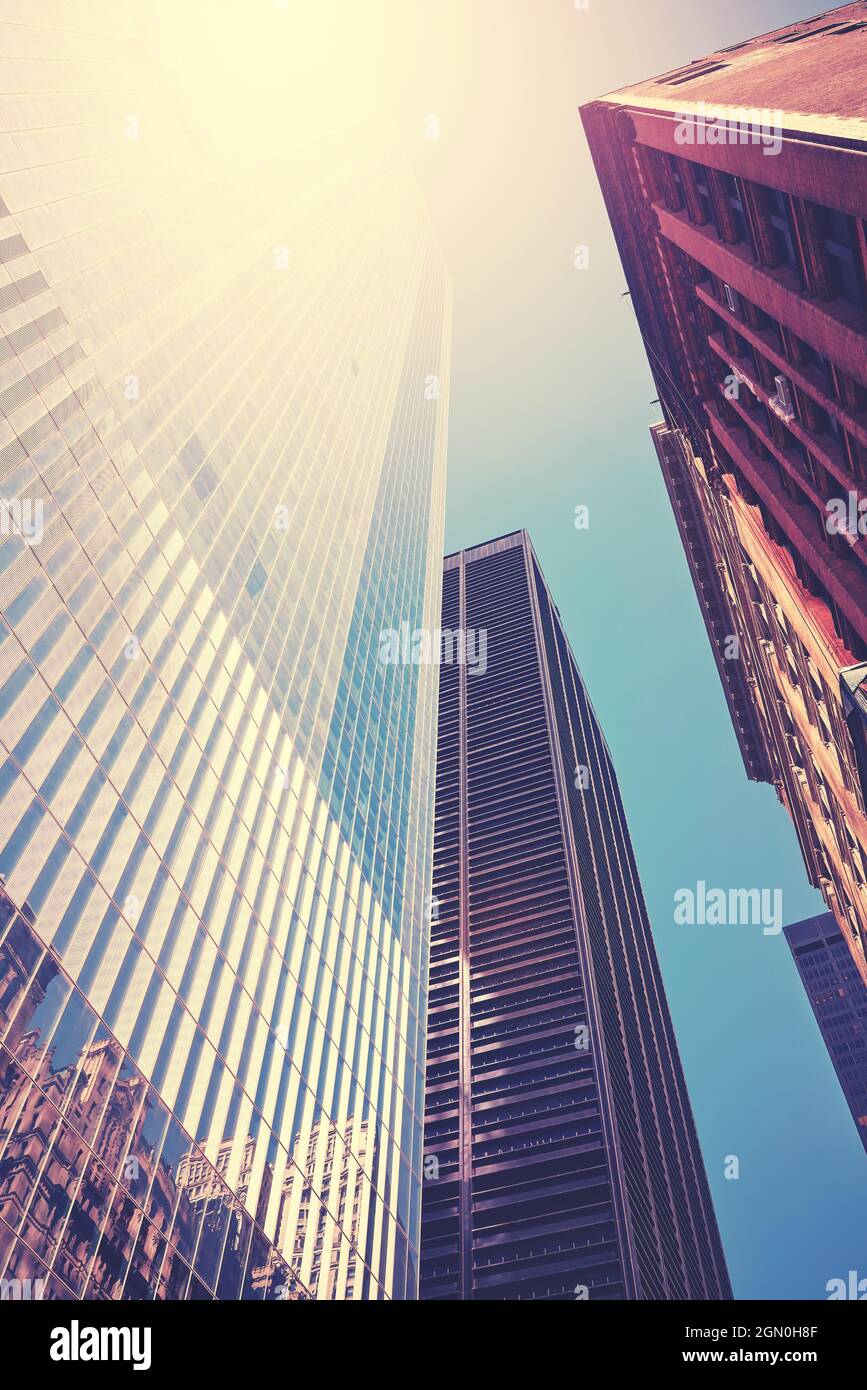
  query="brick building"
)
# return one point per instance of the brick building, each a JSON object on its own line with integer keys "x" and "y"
{"x": 740, "y": 224}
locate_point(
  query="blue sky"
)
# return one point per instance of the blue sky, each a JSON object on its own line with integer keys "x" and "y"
{"x": 550, "y": 408}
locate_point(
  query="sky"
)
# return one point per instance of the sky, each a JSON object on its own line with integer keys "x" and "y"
{"x": 550, "y": 407}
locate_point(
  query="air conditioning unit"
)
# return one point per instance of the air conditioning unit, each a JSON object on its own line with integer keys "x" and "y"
{"x": 733, "y": 299}
{"x": 784, "y": 392}
{"x": 783, "y": 403}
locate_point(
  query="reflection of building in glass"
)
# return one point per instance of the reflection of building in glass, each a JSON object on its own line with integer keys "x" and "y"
{"x": 334, "y": 1189}
{"x": 561, "y": 1158}
{"x": 838, "y": 997}
{"x": 741, "y": 230}
{"x": 227, "y": 389}
{"x": 92, "y": 1165}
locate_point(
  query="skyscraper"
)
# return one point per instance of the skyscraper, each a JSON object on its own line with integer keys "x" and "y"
{"x": 737, "y": 191}
{"x": 838, "y": 998}
{"x": 224, "y": 393}
{"x": 561, "y": 1159}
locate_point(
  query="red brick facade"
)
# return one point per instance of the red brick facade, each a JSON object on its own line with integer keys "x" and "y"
{"x": 741, "y": 226}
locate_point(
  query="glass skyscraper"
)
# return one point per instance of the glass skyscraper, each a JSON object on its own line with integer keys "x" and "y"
{"x": 224, "y": 388}
{"x": 561, "y": 1157}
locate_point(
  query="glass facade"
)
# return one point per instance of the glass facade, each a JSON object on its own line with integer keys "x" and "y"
{"x": 224, "y": 391}
{"x": 561, "y": 1158}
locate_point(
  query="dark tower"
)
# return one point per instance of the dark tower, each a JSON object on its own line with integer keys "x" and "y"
{"x": 838, "y": 998}
{"x": 561, "y": 1158}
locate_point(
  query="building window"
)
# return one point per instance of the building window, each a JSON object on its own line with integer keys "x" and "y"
{"x": 256, "y": 579}
{"x": 733, "y": 193}
{"x": 844, "y": 260}
{"x": 705, "y": 200}
{"x": 782, "y": 228}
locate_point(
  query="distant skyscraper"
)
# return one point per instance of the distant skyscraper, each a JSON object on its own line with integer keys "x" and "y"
{"x": 224, "y": 393}
{"x": 741, "y": 230}
{"x": 561, "y": 1159}
{"x": 839, "y": 1000}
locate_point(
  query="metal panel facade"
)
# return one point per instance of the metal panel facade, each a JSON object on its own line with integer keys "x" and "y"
{"x": 561, "y": 1159}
